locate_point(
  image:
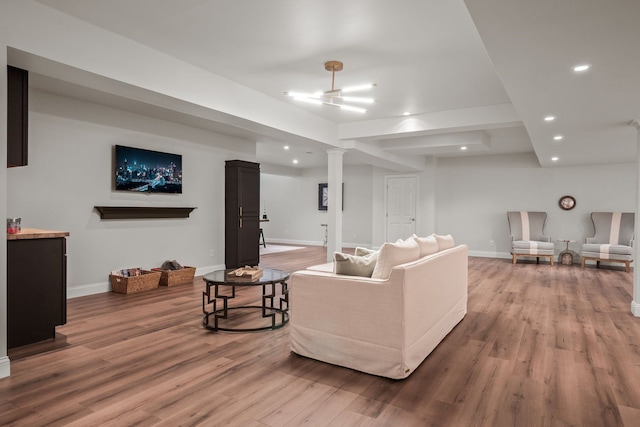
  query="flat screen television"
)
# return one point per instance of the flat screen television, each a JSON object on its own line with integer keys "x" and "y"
{"x": 147, "y": 171}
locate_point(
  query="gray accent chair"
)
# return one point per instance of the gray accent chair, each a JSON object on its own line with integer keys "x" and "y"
{"x": 613, "y": 239}
{"x": 527, "y": 236}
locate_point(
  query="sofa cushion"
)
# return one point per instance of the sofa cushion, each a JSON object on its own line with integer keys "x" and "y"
{"x": 531, "y": 247}
{"x": 444, "y": 241}
{"x": 392, "y": 254}
{"x": 352, "y": 265}
{"x": 428, "y": 245}
{"x": 607, "y": 249}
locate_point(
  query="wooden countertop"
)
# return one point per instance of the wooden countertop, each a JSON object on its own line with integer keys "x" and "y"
{"x": 34, "y": 233}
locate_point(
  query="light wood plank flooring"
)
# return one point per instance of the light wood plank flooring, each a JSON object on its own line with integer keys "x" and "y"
{"x": 540, "y": 346}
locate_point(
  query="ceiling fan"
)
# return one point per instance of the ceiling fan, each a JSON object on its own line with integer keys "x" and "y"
{"x": 335, "y": 97}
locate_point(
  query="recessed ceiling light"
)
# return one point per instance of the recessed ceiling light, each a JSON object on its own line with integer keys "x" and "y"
{"x": 558, "y": 137}
{"x": 464, "y": 147}
{"x": 295, "y": 161}
{"x": 549, "y": 118}
{"x": 286, "y": 147}
{"x": 406, "y": 113}
{"x": 554, "y": 159}
{"x": 582, "y": 67}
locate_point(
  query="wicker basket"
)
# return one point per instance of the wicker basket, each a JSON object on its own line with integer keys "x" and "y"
{"x": 177, "y": 277}
{"x": 131, "y": 285}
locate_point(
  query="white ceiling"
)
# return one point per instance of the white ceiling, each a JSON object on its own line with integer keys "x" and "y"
{"x": 480, "y": 73}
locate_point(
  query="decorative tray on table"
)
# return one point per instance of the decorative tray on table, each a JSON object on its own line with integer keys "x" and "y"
{"x": 246, "y": 273}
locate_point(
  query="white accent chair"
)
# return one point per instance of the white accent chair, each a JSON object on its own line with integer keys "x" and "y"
{"x": 527, "y": 236}
{"x": 612, "y": 240}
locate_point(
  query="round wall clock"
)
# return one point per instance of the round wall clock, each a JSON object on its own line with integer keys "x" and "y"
{"x": 567, "y": 203}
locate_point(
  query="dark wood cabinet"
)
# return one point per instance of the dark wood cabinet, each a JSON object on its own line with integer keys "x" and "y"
{"x": 36, "y": 289}
{"x": 242, "y": 210}
{"x": 17, "y": 116}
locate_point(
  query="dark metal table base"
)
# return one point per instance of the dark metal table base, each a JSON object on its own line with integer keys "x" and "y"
{"x": 279, "y": 314}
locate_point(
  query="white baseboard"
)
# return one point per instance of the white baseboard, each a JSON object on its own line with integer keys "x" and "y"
{"x": 103, "y": 287}
{"x": 201, "y": 271}
{"x": 316, "y": 243}
{"x": 5, "y": 368}
{"x": 88, "y": 289}
{"x": 490, "y": 254}
{"x": 294, "y": 242}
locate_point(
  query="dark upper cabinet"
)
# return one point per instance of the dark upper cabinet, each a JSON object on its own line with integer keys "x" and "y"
{"x": 17, "y": 116}
{"x": 242, "y": 210}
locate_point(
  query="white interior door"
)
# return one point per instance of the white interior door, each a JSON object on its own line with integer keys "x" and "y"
{"x": 401, "y": 195}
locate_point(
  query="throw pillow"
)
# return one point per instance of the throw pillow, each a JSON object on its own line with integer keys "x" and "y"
{"x": 444, "y": 242}
{"x": 392, "y": 254}
{"x": 363, "y": 251}
{"x": 351, "y": 265}
{"x": 428, "y": 245}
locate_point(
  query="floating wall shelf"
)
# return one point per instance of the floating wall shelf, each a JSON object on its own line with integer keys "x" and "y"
{"x": 138, "y": 212}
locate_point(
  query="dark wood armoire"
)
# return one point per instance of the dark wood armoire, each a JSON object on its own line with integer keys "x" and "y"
{"x": 242, "y": 213}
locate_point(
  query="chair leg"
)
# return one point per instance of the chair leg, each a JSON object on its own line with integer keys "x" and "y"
{"x": 582, "y": 262}
{"x": 551, "y": 259}
{"x": 515, "y": 258}
{"x": 626, "y": 263}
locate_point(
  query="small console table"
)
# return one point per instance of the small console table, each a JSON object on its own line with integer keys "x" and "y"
{"x": 567, "y": 256}
{"x": 220, "y": 289}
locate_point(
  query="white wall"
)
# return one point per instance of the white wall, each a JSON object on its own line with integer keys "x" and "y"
{"x": 474, "y": 194}
{"x": 4, "y": 360}
{"x": 292, "y": 207}
{"x": 70, "y": 172}
{"x": 467, "y": 197}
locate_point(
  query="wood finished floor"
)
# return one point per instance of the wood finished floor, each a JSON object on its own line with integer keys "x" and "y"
{"x": 540, "y": 346}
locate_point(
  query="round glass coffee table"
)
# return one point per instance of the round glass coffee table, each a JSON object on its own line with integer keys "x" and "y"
{"x": 220, "y": 289}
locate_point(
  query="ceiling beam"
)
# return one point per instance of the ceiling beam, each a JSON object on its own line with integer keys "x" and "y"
{"x": 464, "y": 119}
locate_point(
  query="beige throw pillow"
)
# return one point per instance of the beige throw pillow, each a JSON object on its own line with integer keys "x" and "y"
{"x": 444, "y": 241}
{"x": 428, "y": 245}
{"x": 351, "y": 265}
{"x": 392, "y": 254}
{"x": 364, "y": 251}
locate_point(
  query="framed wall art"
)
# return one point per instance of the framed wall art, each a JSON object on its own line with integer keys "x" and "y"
{"x": 323, "y": 196}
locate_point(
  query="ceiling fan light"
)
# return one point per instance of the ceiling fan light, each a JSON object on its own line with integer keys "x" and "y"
{"x": 334, "y": 96}
{"x": 357, "y": 88}
{"x": 358, "y": 99}
{"x": 309, "y": 100}
{"x": 299, "y": 95}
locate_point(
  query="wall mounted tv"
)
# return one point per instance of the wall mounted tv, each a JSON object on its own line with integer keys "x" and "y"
{"x": 147, "y": 171}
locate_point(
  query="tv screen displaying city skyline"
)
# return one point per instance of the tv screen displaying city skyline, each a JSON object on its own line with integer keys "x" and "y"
{"x": 147, "y": 171}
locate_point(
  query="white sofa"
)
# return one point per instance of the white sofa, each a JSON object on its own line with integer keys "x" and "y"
{"x": 384, "y": 327}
